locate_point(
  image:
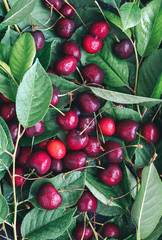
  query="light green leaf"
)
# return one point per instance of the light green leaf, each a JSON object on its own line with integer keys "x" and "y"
{"x": 3, "y": 209}
{"x": 5, "y": 86}
{"x": 156, "y": 233}
{"x": 3, "y": 140}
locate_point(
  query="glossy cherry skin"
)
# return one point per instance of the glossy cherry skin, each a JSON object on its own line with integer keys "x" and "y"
{"x": 56, "y": 165}
{"x": 83, "y": 123}
{"x": 5, "y": 99}
{"x": 43, "y": 145}
{"x": 56, "y": 149}
{"x": 93, "y": 146}
{"x": 80, "y": 229}
{"x": 65, "y": 27}
{"x": 92, "y": 73}
{"x": 67, "y": 122}
{"x": 13, "y": 127}
{"x": 110, "y": 230}
{"x": 123, "y": 49}
{"x": 35, "y": 130}
{"x": 66, "y": 65}
{"x": 18, "y": 179}
{"x": 87, "y": 202}
{"x": 56, "y": 3}
{"x": 112, "y": 175}
{"x": 23, "y": 157}
{"x": 126, "y": 129}
{"x": 99, "y": 29}
{"x": 72, "y": 49}
{"x": 114, "y": 156}
{"x": 8, "y": 111}
{"x": 39, "y": 39}
{"x": 76, "y": 110}
{"x": 91, "y": 44}
{"x": 50, "y": 70}
{"x": 55, "y": 96}
{"x": 67, "y": 11}
{"x": 88, "y": 102}
{"x": 74, "y": 160}
{"x": 40, "y": 161}
{"x": 151, "y": 132}
{"x": 48, "y": 197}
{"x": 75, "y": 141}
{"x": 106, "y": 126}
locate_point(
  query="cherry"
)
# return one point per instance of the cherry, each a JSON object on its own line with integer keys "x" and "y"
{"x": 112, "y": 175}
{"x": 39, "y": 39}
{"x": 126, "y": 129}
{"x": 88, "y": 102}
{"x": 66, "y": 65}
{"x": 82, "y": 231}
{"x": 5, "y": 99}
{"x": 67, "y": 122}
{"x": 74, "y": 160}
{"x": 35, "y": 130}
{"x": 72, "y": 49}
{"x": 93, "y": 146}
{"x": 110, "y": 230}
{"x": 140, "y": 173}
{"x": 50, "y": 70}
{"x": 92, "y": 73}
{"x": 123, "y": 49}
{"x": 115, "y": 156}
{"x": 84, "y": 121}
{"x": 91, "y": 44}
{"x": 13, "y": 127}
{"x": 56, "y": 3}
{"x": 18, "y": 149}
{"x": 56, "y": 165}
{"x": 65, "y": 27}
{"x": 48, "y": 197}
{"x": 8, "y": 111}
{"x": 23, "y": 157}
{"x": 67, "y": 11}
{"x": 87, "y": 202}
{"x": 55, "y": 96}
{"x": 76, "y": 110}
{"x": 106, "y": 126}
{"x": 56, "y": 149}
{"x": 18, "y": 179}
{"x": 99, "y": 29}
{"x": 42, "y": 145}
{"x": 75, "y": 141}
{"x": 40, "y": 161}
{"x": 151, "y": 132}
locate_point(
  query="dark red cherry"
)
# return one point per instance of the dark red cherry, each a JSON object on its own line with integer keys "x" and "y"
{"x": 88, "y": 102}
{"x": 67, "y": 122}
{"x": 48, "y": 197}
{"x": 55, "y": 96}
{"x": 8, "y": 111}
{"x": 56, "y": 3}
{"x": 65, "y": 27}
{"x": 5, "y": 99}
{"x": 40, "y": 161}
{"x": 66, "y": 65}
{"x": 110, "y": 230}
{"x": 67, "y": 11}
{"x": 75, "y": 141}
{"x": 76, "y": 110}
{"x": 114, "y": 156}
{"x": 56, "y": 148}
{"x": 18, "y": 179}
{"x": 35, "y": 130}
{"x": 112, "y": 175}
{"x": 56, "y": 165}
{"x": 151, "y": 132}
{"x": 123, "y": 49}
{"x": 92, "y": 73}
{"x": 23, "y": 157}
{"x": 83, "y": 123}
{"x": 13, "y": 127}
{"x": 87, "y": 202}
{"x": 42, "y": 145}
{"x": 93, "y": 146}
{"x": 99, "y": 29}
{"x": 72, "y": 49}
{"x": 140, "y": 173}
{"x": 50, "y": 70}
{"x": 74, "y": 160}
{"x": 18, "y": 149}
{"x": 39, "y": 39}
{"x": 82, "y": 231}
{"x": 91, "y": 44}
{"x": 106, "y": 126}
{"x": 126, "y": 129}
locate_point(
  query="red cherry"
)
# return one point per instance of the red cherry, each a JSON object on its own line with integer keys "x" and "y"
{"x": 67, "y": 11}
{"x": 18, "y": 179}
{"x": 99, "y": 29}
{"x": 75, "y": 141}
{"x": 88, "y": 102}
{"x": 65, "y": 27}
{"x": 126, "y": 129}
{"x": 56, "y": 3}
{"x": 8, "y": 111}
{"x": 67, "y": 122}
{"x": 48, "y": 197}
{"x": 74, "y": 160}
{"x": 66, "y": 65}
{"x": 76, "y": 110}
{"x": 24, "y": 156}
{"x": 50, "y": 70}
{"x": 87, "y": 203}
{"x": 55, "y": 96}
{"x": 151, "y": 132}
{"x": 110, "y": 230}
{"x": 112, "y": 175}
{"x": 56, "y": 149}
{"x": 72, "y": 49}
{"x": 107, "y": 126}
{"x": 39, "y": 39}
{"x": 35, "y": 130}
{"x": 13, "y": 127}
{"x": 82, "y": 231}
{"x": 115, "y": 156}
{"x": 92, "y": 73}
{"x": 84, "y": 121}
{"x": 123, "y": 49}
{"x": 93, "y": 146}
{"x": 42, "y": 145}
{"x": 91, "y": 44}
{"x": 5, "y": 99}
{"x": 56, "y": 165}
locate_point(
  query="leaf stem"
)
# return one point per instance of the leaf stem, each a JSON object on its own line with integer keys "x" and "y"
{"x": 4, "y": 229}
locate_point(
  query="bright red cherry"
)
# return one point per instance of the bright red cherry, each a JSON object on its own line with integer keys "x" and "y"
{"x": 56, "y": 165}
{"x": 93, "y": 146}
{"x": 106, "y": 126}
{"x": 8, "y": 111}
{"x": 35, "y": 130}
{"x": 67, "y": 11}
{"x": 72, "y": 49}
{"x": 114, "y": 156}
{"x": 74, "y": 160}
{"x": 82, "y": 231}
{"x": 75, "y": 141}
{"x": 99, "y": 29}
{"x": 91, "y": 44}
{"x": 66, "y": 65}
{"x": 112, "y": 175}
{"x": 56, "y": 3}
{"x": 67, "y": 122}
{"x": 151, "y": 132}
{"x": 42, "y": 145}
{"x": 123, "y": 49}
{"x": 92, "y": 73}
{"x": 87, "y": 202}
{"x": 39, "y": 39}
{"x": 55, "y": 96}
{"x": 5, "y": 99}
{"x": 88, "y": 102}
{"x": 23, "y": 157}
{"x": 48, "y": 197}
{"x": 126, "y": 129}
{"x": 18, "y": 179}
{"x": 83, "y": 123}
{"x": 56, "y": 149}
{"x": 50, "y": 70}
{"x": 110, "y": 230}
{"x": 65, "y": 27}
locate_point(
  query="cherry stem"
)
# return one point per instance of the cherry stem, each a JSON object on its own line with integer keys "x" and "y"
{"x": 94, "y": 231}
{"x": 76, "y": 189}
{"x": 98, "y": 139}
{"x": 145, "y": 110}
{"x": 147, "y": 141}
{"x": 53, "y": 7}
{"x": 68, "y": 234}
{"x": 63, "y": 114}
{"x": 80, "y": 74}
{"x": 156, "y": 113}
{"x": 130, "y": 89}
{"x": 9, "y": 153}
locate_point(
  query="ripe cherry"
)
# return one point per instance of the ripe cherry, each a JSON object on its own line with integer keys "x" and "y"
{"x": 76, "y": 110}
{"x": 66, "y": 65}
{"x": 18, "y": 179}
{"x": 114, "y": 156}
{"x": 106, "y": 126}
{"x": 74, "y": 160}
{"x": 92, "y": 73}
{"x": 151, "y": 132}
{"x": 82, "y": 231}
{"x": 112, "y": 175}
{"x": 48, "y": 197}
{"x": 5, "y": 99}
{"x": 88, "y": 102}
{"x": 67, "y": 11}
{"x": 56, "y": 3}
{"x": 8, "y": 111}
{"x": 99, "y": 29}
{"x": 72, "y": 49}
{"x": 56, "y": 148}
{"x": 39, "y": 39}
{"x": 93, "y": 146}
{"x": 75, "y": 141}
{"x": 35, "y": 130}
{"x": 87, "y": 202}
{"x": 13, "y": 127}
{"x": 83, "y": 123}
{"x": 56, "y": 165}
{"x": 123, "y": 49}
{"x": 50, "y": 70}
{"x": 110, "y": 230}
{"x": 65, "y": 27}
{"x": 67, "y": 122}
{"x": 91, "y": 44}
{"x": 42, "y": 145}
{"x": 126, "y": 129}
{"x": 23, "y": 157}
{"x": 55, "y": 96}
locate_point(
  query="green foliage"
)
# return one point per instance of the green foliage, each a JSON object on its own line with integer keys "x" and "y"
{"x": 3, "y": 209}
{"x": 114, "y": 3}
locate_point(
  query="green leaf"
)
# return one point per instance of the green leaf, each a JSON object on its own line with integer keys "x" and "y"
{"x": 143, "y": 156}
{"x": 5, "y": 86}
{"x": 148, "y": 32}
{"x": 132, "y": 183}
{"x": 4, "y": 52}
{"x": 51, "y": 224}
{"x": 3, "y": 140}
{"x": 149, "y": 199}
{"x": 148, "y": 75}
{"x": 19, "y": 11}
{"x": 3, "y": 209}
{"x": 114, "y": 3}
{"x": 10, "y": 37}
{"x": 33, "y": 96}
{"x": 109, "y": 210}
{"x": 22, "y": 55}
{"x": 65, "y": 235}
{"x": 130, "y": 15}
{"x": 156, "y": 233}
{"x": 158, "y": 88}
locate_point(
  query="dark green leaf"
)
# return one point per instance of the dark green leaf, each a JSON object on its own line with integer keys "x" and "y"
{"x": 132, "y": 183}
{"x": 4, "y": 52}
{"x": 3, "y": 209}
{"x": 114, "y": 3}
{"x": 2, "y": 173}
{"x": 158, "y": 88}
{"x": 156, "y": 233}
{"x": 131, "y": 237}
{"x": 70, "y": 229}
{"x": 2, "y": 9}
{"x": 109, "y": 210}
